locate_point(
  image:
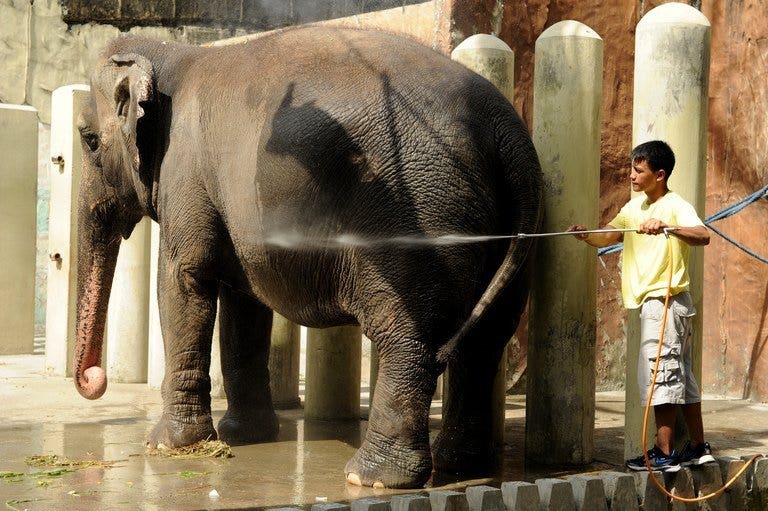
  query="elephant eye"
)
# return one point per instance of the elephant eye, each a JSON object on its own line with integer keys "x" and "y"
{"x": 91, "y": 140}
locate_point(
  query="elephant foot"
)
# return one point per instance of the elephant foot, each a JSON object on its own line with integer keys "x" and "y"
{"x": 174, "y": 433}
{"x": 466, "y": 455}
{"x": 393, "y": 468}
{"x": 251, "y": 429}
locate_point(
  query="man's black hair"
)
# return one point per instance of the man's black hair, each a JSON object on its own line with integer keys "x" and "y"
{"x": 657, "y": 154}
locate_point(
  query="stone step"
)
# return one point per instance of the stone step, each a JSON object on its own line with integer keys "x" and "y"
{"x": 598, "y": 491}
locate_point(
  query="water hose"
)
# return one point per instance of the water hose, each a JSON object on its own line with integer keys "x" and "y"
{"x": 650, "y": 397}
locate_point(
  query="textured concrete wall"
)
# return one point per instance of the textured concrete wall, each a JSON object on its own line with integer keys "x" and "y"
{"x": 254, "y": 15}
{"x": 40, "y": 52}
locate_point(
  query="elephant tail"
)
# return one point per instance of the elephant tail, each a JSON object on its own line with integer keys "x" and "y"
{"x": 522, "y": 175}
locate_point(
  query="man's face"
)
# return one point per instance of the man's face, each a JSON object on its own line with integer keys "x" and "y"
{"x": 643, "y": 178}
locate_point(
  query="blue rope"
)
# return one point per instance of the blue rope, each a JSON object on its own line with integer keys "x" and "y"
{"x": 738, "y": 245}
{"x": 724, "y": 213}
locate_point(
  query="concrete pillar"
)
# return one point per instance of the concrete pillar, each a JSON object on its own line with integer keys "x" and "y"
{"x": 672, "y": 48}
{"x": 128, "y": 314}
{"x": 18, "y": 229}
{"x": 373, "y": 373}
{"x": 66, "y": 165}
{"x": 217, "y": 377}
{"x": 156, "y": 352}
{"x": 560, "y": 410}
{"x": 332, "y": 389}
{"x": 284, "y": 360}
{"x": 491, "y": 58}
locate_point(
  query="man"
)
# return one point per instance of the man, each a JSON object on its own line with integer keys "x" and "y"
{"x": 644, "y": 279}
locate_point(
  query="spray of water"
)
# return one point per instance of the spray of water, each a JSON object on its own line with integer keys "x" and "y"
{"x": 296, "y": 241}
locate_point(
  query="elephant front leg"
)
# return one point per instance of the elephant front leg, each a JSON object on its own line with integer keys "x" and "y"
{"x": 395, "y": 452}
{"x": 244, "y": 332}
{"x": 187, "y": 305}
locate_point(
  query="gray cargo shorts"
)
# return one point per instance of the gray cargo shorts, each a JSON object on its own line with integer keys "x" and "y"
{"x": 675, "y": 383}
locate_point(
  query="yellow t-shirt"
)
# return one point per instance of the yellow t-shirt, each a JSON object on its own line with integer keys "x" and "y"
{"x": 645, "y": 267}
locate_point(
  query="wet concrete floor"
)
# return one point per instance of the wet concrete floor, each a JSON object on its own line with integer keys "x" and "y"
{"x": 42, "y": 415}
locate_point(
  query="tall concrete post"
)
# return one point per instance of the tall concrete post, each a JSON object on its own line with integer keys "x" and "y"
{"x": 284, "y": 361}
{"x": 332, "y": 388}
{"x": 128, "y": 313}
{"x": 215, "y": 373}
{"x": 155, "y": 351}
{"x": 672, "y": 49}
{"x": 494, "y": 60}
{"x": 18, "y": 228}
{"x": 567, "y": 99}
{"x": 66, "y": 165}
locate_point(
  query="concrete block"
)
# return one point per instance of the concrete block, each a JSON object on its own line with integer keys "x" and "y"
{"x": 556, "y": 495}
{"x": 588, "y": 492}
{"x": 484, "y": 498}
{"x": 651, "y": 498}
{"x": 86, "y": 11}
{"x": 758, "y": 484}
{"x": 370, "y": 504}
{"x": 227, "y": 10}
{"x": 18, "y": 228}
{"x": 330, "y": 506}
{"x": 707, "y": 479}
{"x": 620, "y": 490}
{"x": 682, "y": 485}
{"x": 270, "y": 15}
{"x": 520, "y": 496}
{"x": 147, "y": 10}
{"x": 447, "y": 500}
{"x": 750, "y": 472}
{"x": 410, "y": 503}
{"x": 736, "y": 494}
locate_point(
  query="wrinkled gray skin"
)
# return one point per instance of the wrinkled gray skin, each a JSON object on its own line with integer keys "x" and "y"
{"x": 315, "y": 132}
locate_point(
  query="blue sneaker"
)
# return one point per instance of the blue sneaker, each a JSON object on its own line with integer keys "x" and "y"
{"x": 658, "y": 461}
{"x": 698, "y": 455}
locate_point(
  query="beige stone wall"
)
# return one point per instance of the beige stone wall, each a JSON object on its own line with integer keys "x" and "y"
{"x": 39, "y": 52}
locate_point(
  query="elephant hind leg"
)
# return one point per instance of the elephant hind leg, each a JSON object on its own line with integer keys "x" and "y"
{"x": 468, "y": 440}
{"x": 395, "y": 452}
{"x": 466, "y": 443}
{"x": 244, "y": 335}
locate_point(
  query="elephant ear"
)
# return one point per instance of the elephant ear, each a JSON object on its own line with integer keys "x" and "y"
{"x": 132, "y": 86}
{"x": 128, "y": 78}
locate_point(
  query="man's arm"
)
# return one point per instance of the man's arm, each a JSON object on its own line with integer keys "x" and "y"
{"x": 695, "y": 236}
{"x": 596, "y": 239}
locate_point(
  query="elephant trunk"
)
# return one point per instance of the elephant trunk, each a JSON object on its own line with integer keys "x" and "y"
{"x": 97, "y": 257}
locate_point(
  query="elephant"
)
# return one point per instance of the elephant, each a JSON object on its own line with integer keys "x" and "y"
{"x": 282, "y": 172}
